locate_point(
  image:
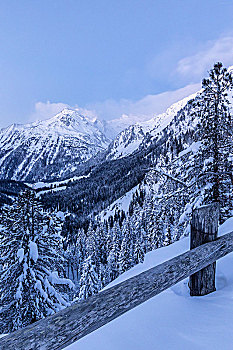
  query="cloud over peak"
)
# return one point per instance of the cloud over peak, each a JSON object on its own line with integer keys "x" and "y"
{"x": 195, "y": 66}
{"x": 123, "y": 112}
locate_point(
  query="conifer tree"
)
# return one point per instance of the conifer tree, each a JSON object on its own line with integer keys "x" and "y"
{"x": 113, "y": 258}
{"x": 71, "y": 261}
{"x": 89, "y": 282}
{"x": 91, "y": 242}
{"x": 168, "y": 234}
{"x": 158, "y": 236}
{"x": 126, "y": 251}
{"x": 139, "y": 252}
{"x": 103, "y": 279}
{"x": 30, "y": 287}
{"x": 124, "y": 257}
{"x": 216, "y": 132}
{"x": 103, "y": 243}
{"x": 80, "y": 252}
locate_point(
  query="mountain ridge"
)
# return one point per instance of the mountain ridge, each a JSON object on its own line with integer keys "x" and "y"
{"x": 67, "y": 139}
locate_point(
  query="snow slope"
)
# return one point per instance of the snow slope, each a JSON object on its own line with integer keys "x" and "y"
{"x": 130, "y": 139}
{"x": 45, "y": 187}
{"x": 120, "y": 204}
{"x": 172, "y": 320}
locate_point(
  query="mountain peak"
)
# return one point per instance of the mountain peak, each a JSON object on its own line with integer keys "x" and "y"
{"x": 36, "y": 149}
{"x": 68, "y": 115}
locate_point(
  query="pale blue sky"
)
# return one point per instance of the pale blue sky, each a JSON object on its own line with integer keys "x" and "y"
{"x": 106, "y": 55}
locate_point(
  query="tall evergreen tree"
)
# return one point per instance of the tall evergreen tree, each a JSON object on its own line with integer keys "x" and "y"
{"x": 113, "y": 257}
{"x": 126, "y": 251}
{"x": 167, "y": 233}
{"x": 30, "y": 287}
{"x": 216, "y": 132}
{"x": 89, "y": 282}
{"x": 139, "y": 252}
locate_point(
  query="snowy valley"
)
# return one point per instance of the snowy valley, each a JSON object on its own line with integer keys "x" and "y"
{"x": 81, "y": 211}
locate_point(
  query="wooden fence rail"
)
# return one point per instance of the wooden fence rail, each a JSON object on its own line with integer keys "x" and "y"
{"x": 82, "y": 318}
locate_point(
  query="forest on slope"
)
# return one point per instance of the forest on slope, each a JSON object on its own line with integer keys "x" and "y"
{"x": 185, "y": 165}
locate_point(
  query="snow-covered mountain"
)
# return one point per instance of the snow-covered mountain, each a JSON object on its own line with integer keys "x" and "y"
{"x": 133, "y": 137}
{"x": 49, "y": 148}
{"x": 126, "y": 142}
{"x": 56, "y": 147}
{"x": 130, "y": 139}
{"x": 120, "y": 171}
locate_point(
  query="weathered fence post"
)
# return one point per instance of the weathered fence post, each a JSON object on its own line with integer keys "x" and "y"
{"x": 204, "y": 229}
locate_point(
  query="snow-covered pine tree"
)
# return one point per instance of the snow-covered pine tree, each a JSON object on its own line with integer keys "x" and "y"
{"x": 100, "y": 239}
{"x": 144, "y": 239}
{"x": 30, "y": 287}
{"x": 113, "y": 257}
{"x": 158, "y": 236}
{"x": 168, "y": 233}
{"x": 216, "y": 133}
{"x": 103, "y": 243}
{"x": 89, "y": 282}
{"x": 109, "y": 238}
{"x": 103, "y": 277}
{"x": 70, "y": 259}
{"x": 90, "y": 241}
{"x": 80, "y": 252}
{"x": 125, "y": 261}
{"x": 126, "y": 251}
{"x": 140, "y": 224}
{"x": 112, "y": 270}
{"x": 178, "y": 229}
{"x": 139, "y": 252}
{"x": 149, "y": 210}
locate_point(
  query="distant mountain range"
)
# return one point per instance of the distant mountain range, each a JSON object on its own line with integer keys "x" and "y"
{"x": 124, "y": 166}
{"x": 57, "y": 147}
{"x": 81, "y": 169}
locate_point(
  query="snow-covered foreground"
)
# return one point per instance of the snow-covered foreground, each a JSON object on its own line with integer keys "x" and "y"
{"x": 172, "y": 320}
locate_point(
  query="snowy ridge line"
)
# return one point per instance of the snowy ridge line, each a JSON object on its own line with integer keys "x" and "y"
{"x": 30, "y": 151}
{"x": 82, "y": 318}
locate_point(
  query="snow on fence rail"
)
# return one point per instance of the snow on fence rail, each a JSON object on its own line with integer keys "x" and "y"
{"x": 83, "y": 317}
